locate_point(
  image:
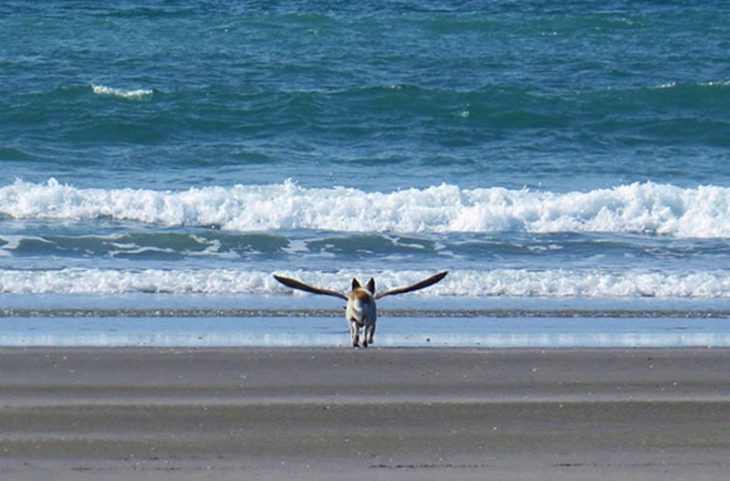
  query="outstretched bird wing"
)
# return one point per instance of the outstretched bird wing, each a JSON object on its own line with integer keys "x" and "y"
{"x": 295, "y": 284}
{"x": 419, "y": 285}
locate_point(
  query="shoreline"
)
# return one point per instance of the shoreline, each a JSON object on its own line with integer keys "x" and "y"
{"x": 393, "y": 332}
{"x": 638, "y": 313}
{"x": 330, "y": 413}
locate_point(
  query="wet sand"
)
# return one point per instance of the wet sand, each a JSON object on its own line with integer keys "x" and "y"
{"x": 319, "y": 414}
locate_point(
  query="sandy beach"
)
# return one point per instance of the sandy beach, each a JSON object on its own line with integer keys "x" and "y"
{"x": 323, "y": 414}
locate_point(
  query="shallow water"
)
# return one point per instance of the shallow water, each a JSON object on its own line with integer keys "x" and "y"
{"x": 312, "y": 331}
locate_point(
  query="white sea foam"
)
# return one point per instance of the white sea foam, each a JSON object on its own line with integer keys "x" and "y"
{"x": 718, "y": 83}
{"x": 500, "y": 282}
{"x": 123, "y": 93}
{"x": 651, "y": 208}
{"x": 714, "y": 83}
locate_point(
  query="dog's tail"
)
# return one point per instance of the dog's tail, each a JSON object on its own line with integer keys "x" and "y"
{"x": 361, "y": 307}
{"x": 360, "y": 304}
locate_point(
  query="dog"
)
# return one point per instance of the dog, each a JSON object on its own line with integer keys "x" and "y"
{"x": 361, "y": 312}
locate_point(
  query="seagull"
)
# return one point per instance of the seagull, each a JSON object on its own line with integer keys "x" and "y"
{"x": 361, "y": 312}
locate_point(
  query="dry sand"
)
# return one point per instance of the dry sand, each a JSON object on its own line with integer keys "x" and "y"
{"x": 319, "y": 414}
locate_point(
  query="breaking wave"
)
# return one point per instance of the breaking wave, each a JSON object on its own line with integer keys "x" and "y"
{"x": 495, "y": 283}
{"x": 122, "y": 93}
{"x": 644, "y": 208}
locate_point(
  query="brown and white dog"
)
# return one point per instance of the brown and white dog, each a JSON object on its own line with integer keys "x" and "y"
{"x": 361, "y": 312}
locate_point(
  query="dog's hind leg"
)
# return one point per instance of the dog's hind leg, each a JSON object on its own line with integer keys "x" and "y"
{"x": 367, "y": 336}
{"x": 355, "y": 334}
{"x": 370, "y": 332}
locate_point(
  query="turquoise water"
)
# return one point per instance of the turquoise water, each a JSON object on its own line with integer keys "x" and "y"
{"x": 565, "y": 152}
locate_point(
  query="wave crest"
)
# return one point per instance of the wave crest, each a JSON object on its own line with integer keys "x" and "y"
{"x": 645, "y": 208}
{"x": 495, "y": 283}
{"x": 122, "y": 93}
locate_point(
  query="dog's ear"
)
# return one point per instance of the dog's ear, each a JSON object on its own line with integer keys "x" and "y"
{"x": 371, "y": 285}
{"x": 355, "y": 284}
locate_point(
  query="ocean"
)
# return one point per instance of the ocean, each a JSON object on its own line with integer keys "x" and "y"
{"x": 567, "y": 162}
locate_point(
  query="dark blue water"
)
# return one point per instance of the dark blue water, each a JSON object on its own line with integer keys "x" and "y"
{"x": 570, "y": 95}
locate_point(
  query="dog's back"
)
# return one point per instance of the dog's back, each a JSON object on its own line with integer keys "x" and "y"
{"x": 361, "y": 307}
